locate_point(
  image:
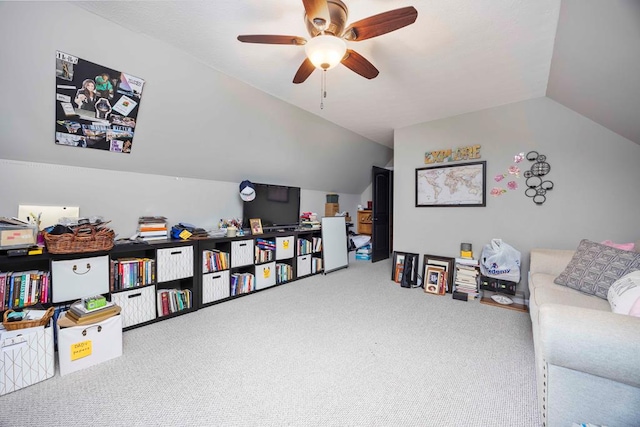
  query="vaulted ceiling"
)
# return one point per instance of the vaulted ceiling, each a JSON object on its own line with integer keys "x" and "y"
{"x": 459, "y": 56}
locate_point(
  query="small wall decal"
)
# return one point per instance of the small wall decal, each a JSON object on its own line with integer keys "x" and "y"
{"x": 537, "y": 188}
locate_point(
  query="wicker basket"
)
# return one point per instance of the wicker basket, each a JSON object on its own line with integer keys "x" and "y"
{"x": 85, "y": 238}
{"x": 12, "y": 326}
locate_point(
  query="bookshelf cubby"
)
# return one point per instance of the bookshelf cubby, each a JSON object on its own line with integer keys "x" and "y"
{"x": 153, "y": 281}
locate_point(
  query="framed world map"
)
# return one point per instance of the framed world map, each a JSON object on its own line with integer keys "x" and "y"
{"x": 462, "y": 184}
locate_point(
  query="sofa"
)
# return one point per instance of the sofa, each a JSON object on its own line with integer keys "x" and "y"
{"x": 587, "y": 357}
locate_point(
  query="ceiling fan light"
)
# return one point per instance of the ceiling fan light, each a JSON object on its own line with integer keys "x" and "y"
{"x": 325, "y": 52}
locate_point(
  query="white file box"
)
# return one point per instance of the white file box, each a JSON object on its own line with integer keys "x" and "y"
{"x": 26, "y": 357}
{"x": 78, "y": 278}
{"x": 82, "y": 346}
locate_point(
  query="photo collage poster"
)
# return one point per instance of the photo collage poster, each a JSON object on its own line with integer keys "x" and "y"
{"x": 96, "y": 107}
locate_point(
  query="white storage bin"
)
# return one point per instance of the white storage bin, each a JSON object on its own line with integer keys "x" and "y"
{"x": 215, "y": 286}
{"x": 284, "y": 247}
{"x": 78, "y": 278}
{"x": 174, "y": 263}
{"x": 304, "y": 266}
{"x": 241, "y": 253}
{"x": 265, "y": 275}
{"x": 26, "y": 357}
{"x": 80, "y": 347}
{"x": 138, "y": 305}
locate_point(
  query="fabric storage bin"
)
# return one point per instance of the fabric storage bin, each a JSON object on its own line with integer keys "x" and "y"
{"x": 284, "y": 247}
{"x": 26, "y": 357}
{"x": 138, "y": 305}
{"x": 265, "y": 275}
{"x": 241, "y": 253}
{"x": 78, "y": 278}
{"x": 304, "y": 266}
{"x": 174, "y": 263}
{"x": 215, "y": 286}
{"x": 80, "y": 347}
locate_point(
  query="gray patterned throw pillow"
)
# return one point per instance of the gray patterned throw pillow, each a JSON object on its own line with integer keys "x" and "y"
{"x": 594, "y": 268}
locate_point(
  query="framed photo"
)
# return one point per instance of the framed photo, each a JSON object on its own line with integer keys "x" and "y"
{"x": 256, "y": 226}
{"x": 461, "y": 184}
{"x": 404, "y": 269}
{"x": 446, "y": 263}
{"x": 434, "y": 280}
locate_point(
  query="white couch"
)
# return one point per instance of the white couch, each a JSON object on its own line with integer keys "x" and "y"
{"x": 587, "y": 358}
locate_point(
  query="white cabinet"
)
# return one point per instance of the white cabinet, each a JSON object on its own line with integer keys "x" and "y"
{"x": 215, "y": 286}
{"x": 265, "y": 275}
{"x": 304, "y": 266}
{"x": 138, "y": 305}
{"x": 241, "y": 253}
{"x": 174, "y": 263}
{"x": 284, "y": 247}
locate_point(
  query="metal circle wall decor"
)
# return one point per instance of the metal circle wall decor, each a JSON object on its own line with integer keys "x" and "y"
{"x": 537, "y": 188}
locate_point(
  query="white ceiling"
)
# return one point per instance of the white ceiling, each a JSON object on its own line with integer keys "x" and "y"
{"x": 459, "y": 56}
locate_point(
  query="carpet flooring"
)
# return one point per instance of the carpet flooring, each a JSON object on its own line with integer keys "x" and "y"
{"x": 350, "y": 348}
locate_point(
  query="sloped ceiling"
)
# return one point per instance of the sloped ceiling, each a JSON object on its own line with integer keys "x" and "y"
{"x": 596, "y": 63}
{"x": 459, "y": 56}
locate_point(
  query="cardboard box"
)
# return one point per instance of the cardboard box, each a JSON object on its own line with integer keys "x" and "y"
{"x": 17, "y": 237}
{"x": 80, "y": 347}
{"x": 331, "y": 209}
{"x": 26, "y": 357}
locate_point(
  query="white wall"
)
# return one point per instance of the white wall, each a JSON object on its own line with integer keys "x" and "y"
{"x": 193, "y": 121}
{"x": 595, "y": 173}
{"x": 122, "y": 197}
{"x": 199, "y": 134}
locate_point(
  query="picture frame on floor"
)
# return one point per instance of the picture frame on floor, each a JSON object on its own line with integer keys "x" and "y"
{"x": 434, "y": 282}
{"x": 447, "y": 263}
{"x": 405, "y": 269}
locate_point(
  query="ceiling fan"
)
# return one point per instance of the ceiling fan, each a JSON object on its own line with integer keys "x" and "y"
{"x": 325, "y": 21}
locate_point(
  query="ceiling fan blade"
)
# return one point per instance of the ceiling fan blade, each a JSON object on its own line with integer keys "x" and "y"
{"x": 358, "y": 64}
{"x": 380, "y": 24}
{"x": 318, "y": 13}
{"x": 271, "y": 39}
{"x": 304, "y": 71}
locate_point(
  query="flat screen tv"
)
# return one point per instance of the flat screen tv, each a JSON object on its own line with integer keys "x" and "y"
{"x": 277, "y": 206}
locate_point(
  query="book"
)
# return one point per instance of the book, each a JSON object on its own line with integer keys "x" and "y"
{"x": 79, "y": 310}
{"x": 98, "y": 316}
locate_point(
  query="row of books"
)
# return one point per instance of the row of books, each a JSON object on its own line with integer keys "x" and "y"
{"x": 309, "y": 246}
{"x": 173, "y": 300}
{"x": 263, "y": 255}
{"x": 284, "y": 273}
{"x": 214, "y": 260}
{"x": 316, "y": 265}
{"x": 152, "y": 228}
{"x": 267, "y": 245}
{"x": 242, "y": 283}
{"x": 129, "y": 273}
{"x": 467, "y": 275}
{"x": 23, "y": 288}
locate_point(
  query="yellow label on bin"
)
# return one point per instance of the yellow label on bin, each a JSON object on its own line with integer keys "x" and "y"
{"x": 80, "y": 350}
{"x": 266, "y": 272}
{"x": 285, "y": 244}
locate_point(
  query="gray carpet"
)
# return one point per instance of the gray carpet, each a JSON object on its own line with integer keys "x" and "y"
{"x": 350, "y": 348}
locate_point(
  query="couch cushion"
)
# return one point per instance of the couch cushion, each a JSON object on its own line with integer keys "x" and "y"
{"x": 594, "y": 267}
{"x": 624, "y": 295}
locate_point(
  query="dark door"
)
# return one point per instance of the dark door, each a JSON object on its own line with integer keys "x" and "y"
{"x": 382, "y": 190}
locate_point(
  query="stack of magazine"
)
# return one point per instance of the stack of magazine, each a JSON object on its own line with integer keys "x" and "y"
{"x": 80, "y": 315}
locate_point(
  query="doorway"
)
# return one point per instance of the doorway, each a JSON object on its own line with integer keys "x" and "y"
{"x": 382, "y": 215}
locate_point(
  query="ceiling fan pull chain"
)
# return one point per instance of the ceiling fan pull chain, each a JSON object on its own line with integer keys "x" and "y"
{"x": 323, "y": 88}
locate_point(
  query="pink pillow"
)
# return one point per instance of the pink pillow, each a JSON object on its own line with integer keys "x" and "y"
{"x": 622, "y": 246}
